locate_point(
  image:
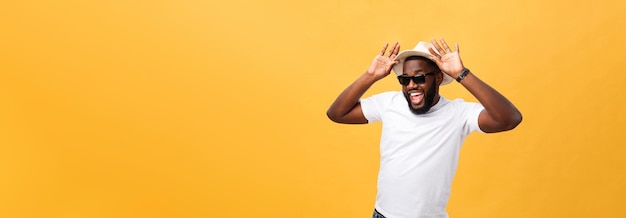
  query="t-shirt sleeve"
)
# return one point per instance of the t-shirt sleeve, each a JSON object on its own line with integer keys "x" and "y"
{"x": 472, "y": 111}
{"x": 373, "y": 107}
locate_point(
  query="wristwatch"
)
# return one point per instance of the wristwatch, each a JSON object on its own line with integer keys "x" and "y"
{"x": 463, "y": 74}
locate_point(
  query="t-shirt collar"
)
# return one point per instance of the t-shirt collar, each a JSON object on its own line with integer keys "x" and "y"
{"x": 442, "y": 101}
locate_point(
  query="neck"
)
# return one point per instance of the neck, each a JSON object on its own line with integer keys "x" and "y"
{"x": 436, "y": 100}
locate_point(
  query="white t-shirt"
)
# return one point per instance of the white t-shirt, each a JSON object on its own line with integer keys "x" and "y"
{"x": 418, "y": 153}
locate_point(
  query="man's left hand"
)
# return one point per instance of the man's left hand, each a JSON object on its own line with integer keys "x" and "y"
{"x": 448, "y": 61}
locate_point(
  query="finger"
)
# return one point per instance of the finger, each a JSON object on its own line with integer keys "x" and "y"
{"x": 395, "y": 50}
{"x": 435, "y": 55}
{"x": 382, "y": 52}
{"x": 456, "y": 46}
{"x": 392, "y": 49}
{"x": 439, "y": 49}
{"x": 445, "y": 45}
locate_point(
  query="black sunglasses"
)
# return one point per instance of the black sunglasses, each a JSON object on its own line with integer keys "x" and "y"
{"x": 417, "y": 79}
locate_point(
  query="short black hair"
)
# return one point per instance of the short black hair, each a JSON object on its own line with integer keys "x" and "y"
{"x": 430, "y": 62}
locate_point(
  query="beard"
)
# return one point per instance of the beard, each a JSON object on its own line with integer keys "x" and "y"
{"x": 428, "y": 100}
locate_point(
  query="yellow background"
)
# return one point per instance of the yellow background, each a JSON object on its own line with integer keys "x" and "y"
{"x": 217, "y": 108}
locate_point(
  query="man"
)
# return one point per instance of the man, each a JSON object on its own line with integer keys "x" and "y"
{"x": 420, "y": 144}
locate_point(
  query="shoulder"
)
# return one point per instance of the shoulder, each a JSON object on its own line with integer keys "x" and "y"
{"x": 383, "y": 97}
{"x": 382, "y": 101}
{"x": 375, "y": 106}
{"x": 459, "y": 102}
{"x": 389, "y": 94}
{"x": 469, "y": 110}
{"x": 459, "y": 106}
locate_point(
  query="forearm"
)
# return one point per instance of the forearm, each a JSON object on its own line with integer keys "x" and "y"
{"x": 503, "y": 113}
{"x": 349, "y": 98}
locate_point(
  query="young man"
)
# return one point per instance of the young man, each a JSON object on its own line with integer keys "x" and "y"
{"x": 422, "y": 131}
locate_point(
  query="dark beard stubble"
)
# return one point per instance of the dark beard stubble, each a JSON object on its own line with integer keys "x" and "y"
{"x": 428, "y": 100}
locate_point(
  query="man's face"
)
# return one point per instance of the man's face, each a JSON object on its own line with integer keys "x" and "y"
{"x": 421, "y": 97}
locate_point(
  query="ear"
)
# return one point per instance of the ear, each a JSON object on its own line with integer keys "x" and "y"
{"x": 439, "y": 77}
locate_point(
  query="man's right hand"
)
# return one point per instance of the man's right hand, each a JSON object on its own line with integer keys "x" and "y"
{"x": 347, "y": 108}
{"x": 382, "y": 63}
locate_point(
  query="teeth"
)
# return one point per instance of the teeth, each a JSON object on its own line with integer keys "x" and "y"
{"x": 415, "y": 94}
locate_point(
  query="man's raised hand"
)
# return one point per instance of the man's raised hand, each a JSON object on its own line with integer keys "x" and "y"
{"x": 382, "y": 63}
{"x": 448, "y": 61}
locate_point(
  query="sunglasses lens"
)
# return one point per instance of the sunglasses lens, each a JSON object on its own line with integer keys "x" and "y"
{"x": 419, "y": 79}
{"x": 404, "y": 80}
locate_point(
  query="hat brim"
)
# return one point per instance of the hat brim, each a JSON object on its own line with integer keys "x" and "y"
{"x": 399, "y": 67}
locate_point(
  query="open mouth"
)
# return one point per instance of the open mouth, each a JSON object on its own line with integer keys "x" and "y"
{"x": 416, "y": 97}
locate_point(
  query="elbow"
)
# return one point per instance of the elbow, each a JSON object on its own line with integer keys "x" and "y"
{"x": 503, "y": 124}
{"x": 513, "y": 122}
{"x": 341, "y": 118}
{"x": 333, "y": 116}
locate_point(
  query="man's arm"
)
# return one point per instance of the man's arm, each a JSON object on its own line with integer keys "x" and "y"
{"x": 499, "y": 114}
{"x": 346, "y": 108}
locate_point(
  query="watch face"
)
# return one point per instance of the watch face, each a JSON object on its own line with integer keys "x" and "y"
{"x": 463, "y": 74}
